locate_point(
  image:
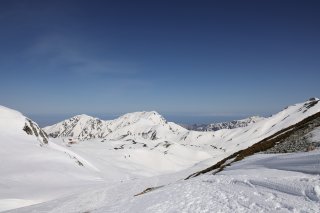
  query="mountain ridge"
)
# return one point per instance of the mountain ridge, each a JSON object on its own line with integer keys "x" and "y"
{"x": 151, "y": 126}
{"x": 84, "y": 127}
{"x": 224, "y": 125}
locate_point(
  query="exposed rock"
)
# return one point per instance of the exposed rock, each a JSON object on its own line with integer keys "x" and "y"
{"x": 292, "y": 137}
{"x": 298, "y": 141}
{"x": 27, "y": 129}
{"x": 31, "y": 128}
{"x": 224, "y": 125}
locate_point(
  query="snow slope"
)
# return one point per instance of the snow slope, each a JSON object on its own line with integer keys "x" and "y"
{"x": 34, "y": 170}
{"x": 261, "y": 183}
{"x": 124, "y": 160}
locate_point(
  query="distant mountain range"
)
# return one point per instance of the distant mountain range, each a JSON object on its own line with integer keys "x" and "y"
{"x": 151, "y": 126}
{"x": 224, "y": 125}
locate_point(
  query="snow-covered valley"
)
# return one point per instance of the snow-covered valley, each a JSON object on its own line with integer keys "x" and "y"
{"x": 140, "y": 162}
{"x": 258, "y": 184}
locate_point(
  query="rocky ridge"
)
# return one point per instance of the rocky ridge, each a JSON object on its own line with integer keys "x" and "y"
{"x": 224, "y": 125}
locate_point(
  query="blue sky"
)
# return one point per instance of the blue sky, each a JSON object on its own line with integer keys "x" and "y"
{"x": 181, "y": 58}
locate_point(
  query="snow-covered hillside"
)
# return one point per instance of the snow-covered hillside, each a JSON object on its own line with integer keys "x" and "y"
{"x": 88, "y": 164}
{"x": 13, "y": 123}
{"x": 225, "y": 125}
{"x": 33, "y": 169}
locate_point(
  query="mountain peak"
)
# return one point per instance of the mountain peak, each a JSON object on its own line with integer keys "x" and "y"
{"x": 83, "y": 116}
{"x": 152, "y": 116}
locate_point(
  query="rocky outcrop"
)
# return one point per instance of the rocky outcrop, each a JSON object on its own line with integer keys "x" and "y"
{"x": 298, "y": 141}
{"x": 290, "y": 139}
{"x": 31, "y": 128}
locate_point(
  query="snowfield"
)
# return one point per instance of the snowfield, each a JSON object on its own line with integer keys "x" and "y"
{"x": 257, "y": 184}
{"x": 32, "y": 173}
{"x": 139, "y": 162}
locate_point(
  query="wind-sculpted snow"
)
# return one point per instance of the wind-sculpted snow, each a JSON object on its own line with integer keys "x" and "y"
{"x": 308, "y": 163}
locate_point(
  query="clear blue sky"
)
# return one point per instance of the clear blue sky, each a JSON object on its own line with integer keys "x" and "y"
{"x": 182, "y": 58}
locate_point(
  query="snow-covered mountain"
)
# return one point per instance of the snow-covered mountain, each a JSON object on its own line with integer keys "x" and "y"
{"x": 90, "y": 165}
{"x": 225, "y": 125}
{"x": 149, "y": 131}
{"x": 145, "y": 125}
{"x": 150, "y": 126}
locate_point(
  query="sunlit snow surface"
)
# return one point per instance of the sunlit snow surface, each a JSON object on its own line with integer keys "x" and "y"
{"x": 261, "y": 183}
{"x": 103, "y": 175}
{"x": 30, "y": 173}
